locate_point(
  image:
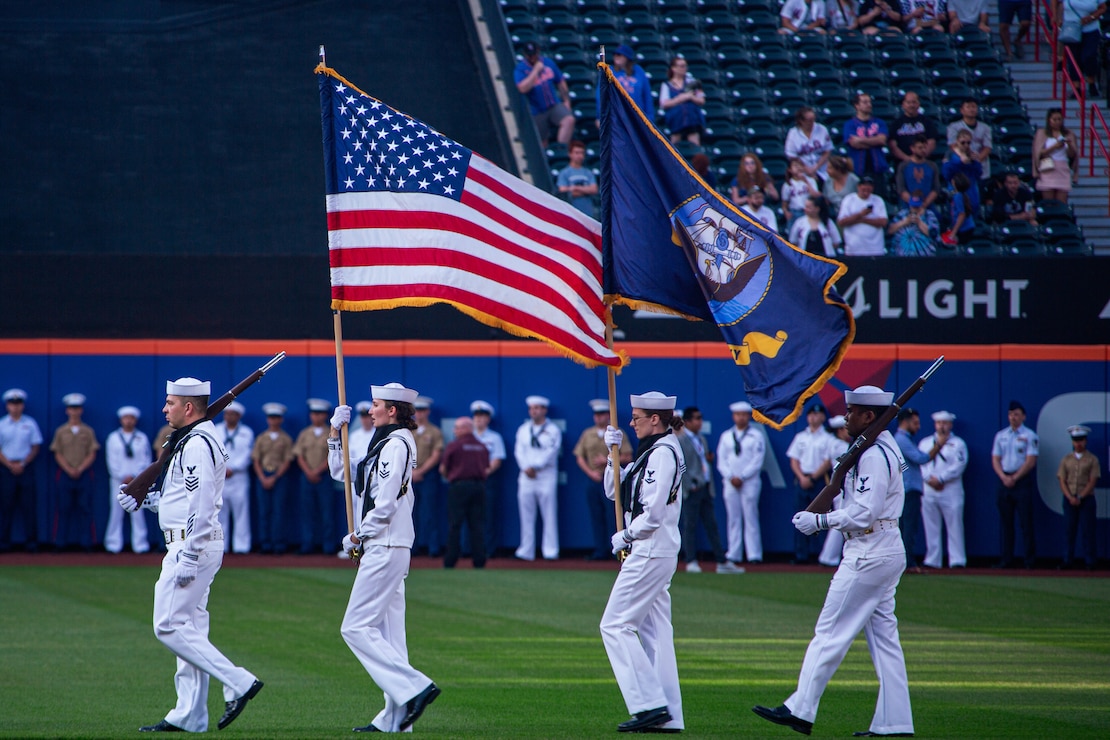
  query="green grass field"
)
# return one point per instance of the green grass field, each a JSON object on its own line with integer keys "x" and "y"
{"x": 518, "y": 655}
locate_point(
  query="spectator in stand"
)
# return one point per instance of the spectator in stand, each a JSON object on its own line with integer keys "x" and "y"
{"x": 915, "y": 229}
{"x": 796, "y": 190}
{"x": 842, "y": 15}
{"x": 968, "y": 14}
{"x": 918, "y": 175}
{"x": 866, "y": 136}
{"x": 700, "y": 164}
{"x": 962, "y": 162}
{"x": 980, "y": 135}
{"x": 802, "y": 15}
{"x": 1056, "y": 144}
{"x": 919, "y": 16}
{"x": 539, "y": 79}
{"x": 876, "y": 16}
{"x": 759, "y": 212}
{"x": 841, "y": 182}
{"x": 1014, "y": 202}
{"x": 810, "y": 142}
{"x": 577, "y": 183}
{"x": 862, "y": 219}
{"x": 1086, "y": 48}
{"x": 1008, "y": 10}
{"x": 908, "y": 127}
{"x": 814, "y": 231}
{"x": 963, "y": 212}
{"x": 633, "y": 79}
{"x": 681, "y": 99}
{"x": 748, "y": 174}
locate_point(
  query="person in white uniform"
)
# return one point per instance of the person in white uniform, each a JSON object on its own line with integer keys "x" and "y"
{"x": 235, "y": 516}
{"x": 537, "y": 455}
{"x": 482, "y": 412}
{"x": 861, "y": 595}
{"x": 834, "y": 540}
{"x": 809, "y": 461}
{"x": 636, "y": 626}
{"x": 359, "y": 439}
{"x": 188, "y": 497}
{"x": 374, "y": 623}
{"x": 128, "y": 453}
{"x": 740, "y": 453}
{"x": 942, "y": 501}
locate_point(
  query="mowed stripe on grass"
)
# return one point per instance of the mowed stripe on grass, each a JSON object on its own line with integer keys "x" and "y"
{"x": 519, "y": 655}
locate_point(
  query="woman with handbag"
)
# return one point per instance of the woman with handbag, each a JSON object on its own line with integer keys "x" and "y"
{"x": 1054, "y": 154}
{"x": 1077, "y": 21}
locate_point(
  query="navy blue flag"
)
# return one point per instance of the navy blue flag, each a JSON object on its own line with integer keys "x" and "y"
{"x": 672, "y": 244}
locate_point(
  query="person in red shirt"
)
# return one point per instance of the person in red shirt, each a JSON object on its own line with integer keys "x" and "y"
{"x": 464, "y": 464}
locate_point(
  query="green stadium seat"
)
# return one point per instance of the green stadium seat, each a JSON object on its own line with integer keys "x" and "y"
{"x": 558, "y": 18}
{"x": 1068, "y": 247}
{"x": 1053, "y": 210}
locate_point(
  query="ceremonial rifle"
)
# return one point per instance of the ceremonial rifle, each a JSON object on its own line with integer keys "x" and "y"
{"x": 141, "y": 483}
{"x": 823, "y": 502}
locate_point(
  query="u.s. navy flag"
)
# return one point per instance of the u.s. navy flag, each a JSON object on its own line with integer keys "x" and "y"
{"x": 672, "y": 244}
{"x": 415, "y": 218}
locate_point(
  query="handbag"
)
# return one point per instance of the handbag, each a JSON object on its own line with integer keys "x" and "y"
{"x": 1070, "y": 30}
{"x": 1046, "y": 164}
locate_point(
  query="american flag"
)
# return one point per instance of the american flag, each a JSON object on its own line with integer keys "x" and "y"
{"x": 415, "y": 218}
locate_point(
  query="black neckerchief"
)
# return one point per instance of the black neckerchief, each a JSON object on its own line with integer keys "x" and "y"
{"x": 380, "y": 433}
{"x": 536, "y": 437}
{"x": 175, "y": 439}
{"x": 641, "y": 460}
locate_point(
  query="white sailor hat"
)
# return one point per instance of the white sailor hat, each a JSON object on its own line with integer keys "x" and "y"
{"x": 393, "y": 392}
{"x": 273, "y": 409}
{"x": 422, "y": 402}
{"x": 653, "y": 401}
{"x": 363, "y": 407}
{"x": 740, "y": 406}
{"x": 943, "y": 416}
{"x": 1079, "y": 431}
{"x": 599, "y": 406}
{"x": 73, "y": 399}
{"x": 235, "y": 407}
{"x": 838, "y": 422}
{"x": 188, "y": 387}
{"x": 868, "y": 395}
{"x": 123, "y": 411}
{"x": 481, "y": 407}
{"x": 537, "y": 401}
{"x": 319, "y": 405}
{"x": 15, "y": 394}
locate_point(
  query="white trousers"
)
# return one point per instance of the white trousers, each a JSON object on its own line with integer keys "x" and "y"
{"x": 639, "y": 639}
{"x": 181, "y": 624}
{"x": 113, "y": 535}
{"x": 742, "y": 512}
{"x": 949, "y": 508}
{"x": 540, "y": 494}
{"x": 237, "y": 509}
{"x": 374, "y": 630}
{"x": 861, "y": 596}
{"x": 830, "y": 551}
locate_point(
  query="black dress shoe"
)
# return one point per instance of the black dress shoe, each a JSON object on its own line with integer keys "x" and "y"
{"x": 780, "y": 715}
{"x": 162, "y": 726}
{"x": 418, "y": 704}
{"x": 868, "y": 733}
{"x": 641, "y": 721}
{"x": 368, "y": 728}
{"x": 233, "y": 708}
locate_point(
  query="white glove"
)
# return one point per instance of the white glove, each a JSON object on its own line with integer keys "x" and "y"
{"x": 351, "y": 542}
{"x": 127, "y": 501}
{"x": 341, "y": 416}
{"x": 185, "y": 570}
{"x": 807, "y": 522}
{"x": 621, "y": 541}
{"x": 613, "y": 437}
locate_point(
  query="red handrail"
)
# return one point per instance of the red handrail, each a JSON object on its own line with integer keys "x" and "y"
{"x": 1078, "y": 88}
{"x": 1098, "y": 138}
{"x": 1050, "y": 31}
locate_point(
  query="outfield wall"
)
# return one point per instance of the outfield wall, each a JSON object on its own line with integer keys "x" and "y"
{"x": 1059, "y": 385}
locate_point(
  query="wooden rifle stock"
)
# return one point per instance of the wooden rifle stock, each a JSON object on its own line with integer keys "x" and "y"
{"x": 141, "y": 483}
{"x": 823, "y": 501}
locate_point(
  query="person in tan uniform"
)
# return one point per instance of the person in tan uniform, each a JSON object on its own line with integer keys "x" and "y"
{"x": 74, "y": 447}
{"x": 271, "y": 457}
{"x": 592, "y": 456}
{"x": 317, "y": 494}
{"x": 430, "y": 506}
{"x": 1078, "y": 473}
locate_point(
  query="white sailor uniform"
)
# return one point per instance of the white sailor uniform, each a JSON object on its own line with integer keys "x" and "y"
{"x": 537, "y": 447}
{"x": 235, "y": 516}
{"x": 740, "y": 455}
{"x": 945, "y": 505}
{"x": 126, "y": 455}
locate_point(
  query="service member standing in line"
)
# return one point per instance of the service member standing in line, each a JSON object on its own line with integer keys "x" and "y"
{"x": 636, "y": 626}
{"x": 374, "y": 624}
{"x": 740, "y": 452}
{"x": 20, "y": 442}
{"x": 188, "y": 497}
{"x": 909, "y": 424}
{"x": 943, "y": 498}
{"x": 482, "y": 413}
{"x": 359, "y": 439}
{"x": 834, "y": 540}
{"x": 272, "y": 455}
{"x": 861, "y": 595}
{"x": 425, "y": 480}
{"x": 75, "y": 447}
{"x": 238, "y": 442}
{"x": 1014, "y": 459}
{"x": 127, "y": 453}
{"x": 464, "y": 465}
{"x": 809, "y": 454}
{"x": 1078, "y": 473}
{"x": 317, "y": 499}
{"x": 697, "y": 495}
{"x": 537, "y": 455}
{"x": 592, "y": 455}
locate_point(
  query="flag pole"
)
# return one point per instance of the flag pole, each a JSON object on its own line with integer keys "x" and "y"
{"x": 614, "y": 450}
{"x": 337, "y": 323}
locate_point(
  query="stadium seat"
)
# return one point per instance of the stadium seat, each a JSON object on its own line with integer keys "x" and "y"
{"x": 727, "y": 35}
{"x": 990, "y": 73}
{"x": 731, "y": 56}
{"x": 975, "y": 54}
{"x": 558, "y": 18}
{"x": 635, "y": 20}
{"x": 687, "y": 149}
{"x": 1058, "y": 230}
{"x": 758, "y": 20}
{"x": 1053, "y": 210}
{"x": 1068, "y": 247}
{"x": 893, "y": 56}
{"x": 969, "y": 35}
{"x": 590, "y": 6}
{"x": 808, "y": 58}
{"x": 1012, "y": 230}
{"x": 566, "y": 40}
{"x": 979, "y": 248}
{"x": 675, "y": 20}
{"x": 906, "y": 74}
{"x": 836, "y": 109}
{"x": 1023, "y": 247}
{"x": 760, "y": 131}
{"x": 518, "y": 6}
{"x": 746, "y": 6}
{"x": 753, "y": 109}
{"x": 729, "y": 147}
{"x": 767, "y": 55}
{"x": 543, "y": 6}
